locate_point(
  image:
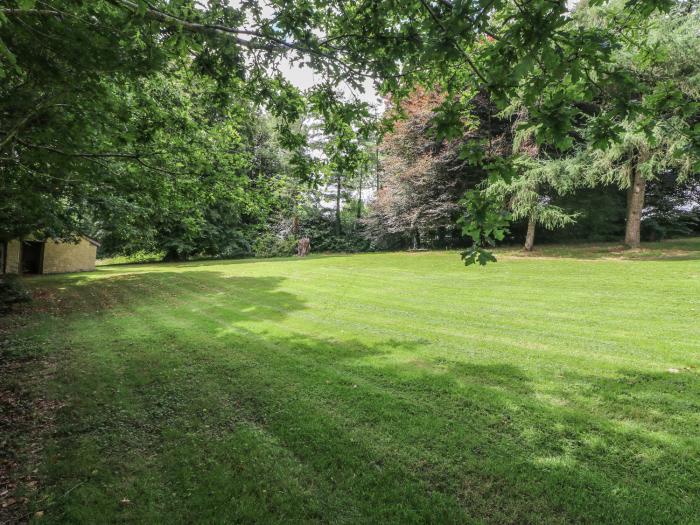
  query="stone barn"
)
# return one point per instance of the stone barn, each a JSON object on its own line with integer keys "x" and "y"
{"x": 31, "y": 256}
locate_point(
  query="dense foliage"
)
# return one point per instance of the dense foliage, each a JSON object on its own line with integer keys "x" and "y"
{"x": 120, "y": 124}
{"x": 424, "y": 175}
{"x": 12, "y": 291}
{"x": 169, "y": 125}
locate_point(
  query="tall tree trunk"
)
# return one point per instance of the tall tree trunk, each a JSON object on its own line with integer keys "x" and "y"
{"x": 635, "y": 204}
{"x": 530, "y": 147}
{"x": 530, "y": 237}
{"x": 359, "y": 199}
{"x": 338, "y": 224}
{"x": 376, "y": 164}
{"x": 414, "y": 231}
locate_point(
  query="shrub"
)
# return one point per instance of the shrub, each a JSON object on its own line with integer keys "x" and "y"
{"x": 141, "y": 256}
{"x": 658, "y": 226}
{"x": 271, "y": 245}
{"x": 12, "y": 291}
{"x": 320, "y": 227}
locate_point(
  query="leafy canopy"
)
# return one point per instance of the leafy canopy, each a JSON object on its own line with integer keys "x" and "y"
{"x": 73, "y": 74}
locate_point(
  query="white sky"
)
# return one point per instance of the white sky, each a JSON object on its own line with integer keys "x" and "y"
{"x": 304, "y": 77}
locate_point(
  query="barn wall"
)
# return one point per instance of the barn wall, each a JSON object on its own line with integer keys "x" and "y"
{"x": 12, "y": 256}
{"x": 61, "y": 257}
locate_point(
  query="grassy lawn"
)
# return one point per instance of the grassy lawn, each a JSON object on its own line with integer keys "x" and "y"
{"x": 373, "y": 388}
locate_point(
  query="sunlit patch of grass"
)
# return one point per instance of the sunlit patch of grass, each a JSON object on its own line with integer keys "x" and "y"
{"x": 374, "y": 388}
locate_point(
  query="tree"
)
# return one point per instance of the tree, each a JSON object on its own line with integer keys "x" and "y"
{"x": 425, "y": 175}
{"x": 221, "y": 188}
{"x": 65, "y": 111}
{"x": 672, "y": 208}
{"x": 528, "y": 195}
{"x": 65, "y": 115}
{"x": 340, "y": 143}
{"x": 656, "y": 65}
{"x": 662, "y": 65}
{"x": 114, "y": 116}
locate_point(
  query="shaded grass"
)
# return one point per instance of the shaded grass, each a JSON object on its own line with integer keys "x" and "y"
{"x": 685, "y": 248}
{"x": 373, "y": 388}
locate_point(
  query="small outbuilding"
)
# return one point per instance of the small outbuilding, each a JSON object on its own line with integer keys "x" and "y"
{"x": 31, "y": 256}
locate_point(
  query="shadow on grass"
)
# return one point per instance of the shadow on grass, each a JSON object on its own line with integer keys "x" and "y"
{"x": 619, "y": 449}
{"x": 253, "y": 298}
{"x": 671, "y": 250}
{"x": 664, "y": 404}
{"x": 247, "y": 425}
{"x": 180, "y": 403}
{"x": 206, "y": 262}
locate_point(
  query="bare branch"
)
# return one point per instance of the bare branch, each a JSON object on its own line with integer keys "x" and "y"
{"x": 9, "y": 11}
{"x": 270, "y": 44}
{"x": 84, "y": 154}
{"x": 95, "y": 157}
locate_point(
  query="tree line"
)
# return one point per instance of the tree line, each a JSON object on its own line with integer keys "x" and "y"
{"x": 169, "y": 125}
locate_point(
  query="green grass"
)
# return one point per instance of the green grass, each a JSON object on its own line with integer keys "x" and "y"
{"x": 687, "y": 248}
{"x": 374, "y": 388}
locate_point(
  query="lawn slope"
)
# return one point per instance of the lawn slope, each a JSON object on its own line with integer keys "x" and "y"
{"x": 372, "y": 388}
